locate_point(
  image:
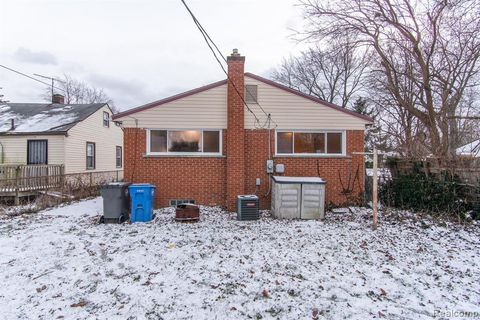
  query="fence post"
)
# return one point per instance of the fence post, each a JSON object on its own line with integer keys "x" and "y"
{"x": 62, "y": 178}
{"x": 117, "y": 175}
{"x": 17, "y": 181}
{"x": 91, "y": 179}
{"x": 375, "y": 188}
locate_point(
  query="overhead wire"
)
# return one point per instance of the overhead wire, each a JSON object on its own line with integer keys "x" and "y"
{"x": 32, "y": 78}
{"x": 210, "y": 42}
{"x": 199, "y": 25}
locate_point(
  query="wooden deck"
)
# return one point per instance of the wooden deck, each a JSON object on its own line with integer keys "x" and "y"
{"x": 19, "y": 180}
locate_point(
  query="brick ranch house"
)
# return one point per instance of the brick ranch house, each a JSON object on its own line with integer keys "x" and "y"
{"x": 204, "y": 145}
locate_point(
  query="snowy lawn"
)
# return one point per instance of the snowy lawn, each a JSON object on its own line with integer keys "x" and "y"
{"x": 62, "y": 264}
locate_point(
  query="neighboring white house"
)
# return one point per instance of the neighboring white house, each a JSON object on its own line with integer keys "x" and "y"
{"x": 82, "y": 137}
{"x": 471, "y": 149}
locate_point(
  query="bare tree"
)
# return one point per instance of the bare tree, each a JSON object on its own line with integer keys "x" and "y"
{"x": 427, "y": 50}
{"x": 76, "y": 91}
{"x": 333, "y": 73}
{"x": 2, "y": 99}
{"x": 373, "y": 133}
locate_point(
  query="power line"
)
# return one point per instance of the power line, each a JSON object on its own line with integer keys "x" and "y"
{"x": 210, "y": 42}
{"x": 224, "y": 59}
{"x": 32, "y": 78}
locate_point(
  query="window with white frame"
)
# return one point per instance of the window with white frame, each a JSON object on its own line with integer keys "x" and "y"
{"x": 184, "y": 142}
{"x": 106, "y": 119}
{"x": 310, "y": 142}
{"x": 118, "y": 156}
{"x": 90, "y": 155}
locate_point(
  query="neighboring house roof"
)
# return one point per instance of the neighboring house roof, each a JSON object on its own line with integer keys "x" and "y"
{"x": 470, "y": 149}
{"x": 44, "y": 118}
{"x": 222, "y": 82}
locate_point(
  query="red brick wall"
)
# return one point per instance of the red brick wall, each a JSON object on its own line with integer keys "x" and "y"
{"x": 330, "y": 169}
{"x": 200, "y": 178}
{"x": 204, "y": 179}
{"x": 235, "y": 130}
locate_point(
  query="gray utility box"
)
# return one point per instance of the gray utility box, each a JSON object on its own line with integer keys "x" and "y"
{"x": 116, "y": 202}
{"x": 298, "y": 197}
{"x": 247, "y": 207}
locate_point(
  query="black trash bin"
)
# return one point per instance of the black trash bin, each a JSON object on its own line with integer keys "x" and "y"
{"x": 116, "y": 202}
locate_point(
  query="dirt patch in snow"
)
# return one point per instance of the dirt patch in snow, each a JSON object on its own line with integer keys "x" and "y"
{"x": 61, "y": 263}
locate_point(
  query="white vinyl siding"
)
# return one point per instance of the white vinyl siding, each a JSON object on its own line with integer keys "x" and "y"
{"x": 204, "y": 110}
{"x": 208, "y": 110}
{"x": 15, "y": 148}
{"x": 90, "y": 156}
{"x": 106, "y": 140}
{"x": 292, "y": 111}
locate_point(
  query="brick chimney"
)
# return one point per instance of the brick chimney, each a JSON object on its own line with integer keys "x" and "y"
{"x": 235, "y": 130}
{"x": 58, "y": 98}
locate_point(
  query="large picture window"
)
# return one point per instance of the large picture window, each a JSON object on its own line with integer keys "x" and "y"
{"x": 183, "y": 142}
{"x": 310, "y": 143}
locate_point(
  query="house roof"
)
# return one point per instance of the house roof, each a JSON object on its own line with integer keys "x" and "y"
{"x": 222, "y": 82}
{"x": 44, "y": 118}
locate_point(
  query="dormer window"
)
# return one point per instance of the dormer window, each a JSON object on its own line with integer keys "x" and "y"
{"x": 251, "y": 93}
{"x": 106, "y": 119}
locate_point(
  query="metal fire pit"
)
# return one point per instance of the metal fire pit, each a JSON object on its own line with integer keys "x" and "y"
{"x": 187, "y": 212}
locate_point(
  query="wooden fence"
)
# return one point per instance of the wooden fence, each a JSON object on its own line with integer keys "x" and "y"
{"x": 25, "y": 180}
{"x": 22, "y": 178}
{"x": 467, "y": 170}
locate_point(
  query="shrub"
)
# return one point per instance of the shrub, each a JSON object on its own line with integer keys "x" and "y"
{"x": 420, "y": 193}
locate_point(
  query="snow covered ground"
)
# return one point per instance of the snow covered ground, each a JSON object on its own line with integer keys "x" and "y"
{"x": 62, "y": 264}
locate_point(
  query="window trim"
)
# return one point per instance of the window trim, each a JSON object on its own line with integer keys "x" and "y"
{"x": 121, "y": 156}
{"x": 94, "y": 155}
{"x": 108, "y": 119}
{"x": 320, "y": 155}
{"x": 168, "y": 153}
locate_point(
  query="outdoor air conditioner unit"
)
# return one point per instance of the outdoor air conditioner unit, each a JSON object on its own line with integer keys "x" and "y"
{"x": 247, "y": 207}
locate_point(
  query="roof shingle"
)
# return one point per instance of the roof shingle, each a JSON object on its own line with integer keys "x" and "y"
{"x": 43, "y": 117}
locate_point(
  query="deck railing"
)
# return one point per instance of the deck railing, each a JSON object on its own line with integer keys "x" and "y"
{"x": 25, "y": 180}
{"x": 20, "y": 178}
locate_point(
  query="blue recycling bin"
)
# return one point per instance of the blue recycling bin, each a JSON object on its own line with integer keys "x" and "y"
{"x": 141, "y": 196}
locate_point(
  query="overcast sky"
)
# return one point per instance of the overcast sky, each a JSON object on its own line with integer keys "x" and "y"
{"x": 138, "y": 51}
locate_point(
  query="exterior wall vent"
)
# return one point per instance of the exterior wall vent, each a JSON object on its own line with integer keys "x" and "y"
{"x": 251, "y": 93}
{"x": 176, "y": 202}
